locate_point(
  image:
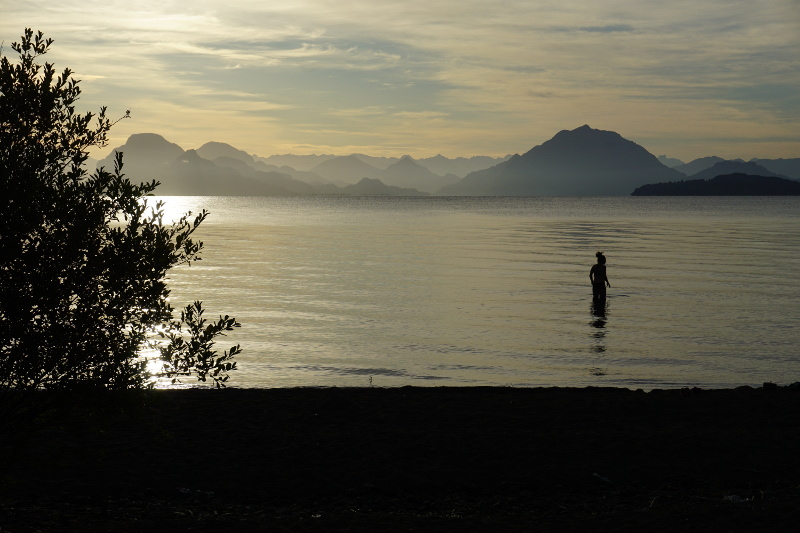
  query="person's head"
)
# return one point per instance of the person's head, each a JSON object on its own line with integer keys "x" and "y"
{"x": 601, "y": 259}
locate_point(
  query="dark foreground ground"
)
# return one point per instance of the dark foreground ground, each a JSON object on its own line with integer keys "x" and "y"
{"x": 412, "y": 459}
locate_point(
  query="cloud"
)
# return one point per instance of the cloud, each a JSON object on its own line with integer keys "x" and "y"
{"x": 422, "y": 115}
{"x": 487, "y": 76}
{"x": 371, "y": 111}
{"x": 609, "y": 28}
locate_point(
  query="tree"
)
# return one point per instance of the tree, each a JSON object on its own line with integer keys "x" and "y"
{"x": 83, "y": 257}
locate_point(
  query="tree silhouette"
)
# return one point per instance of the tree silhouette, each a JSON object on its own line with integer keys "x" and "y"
{"x": 83, "y": 257}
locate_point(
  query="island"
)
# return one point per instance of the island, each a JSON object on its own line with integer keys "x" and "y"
{"x": 736, "y": 184}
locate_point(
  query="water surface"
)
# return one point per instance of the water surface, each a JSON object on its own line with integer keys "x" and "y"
{"x": 495, "y": 291}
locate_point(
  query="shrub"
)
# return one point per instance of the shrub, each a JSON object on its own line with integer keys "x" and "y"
{"x": 83, "y": 257}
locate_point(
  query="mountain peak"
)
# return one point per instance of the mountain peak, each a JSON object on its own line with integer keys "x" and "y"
{"x": 586, "y": 130}
{"x": 191, "y": 156}
{"x": 348, "y": 168}
{"x": 145, "y": 138}
{"x": 734, "y": 167}
{"x": 213, "y": 149}
{"x": 584, "y": 161}
{"x": 152, "y": 146}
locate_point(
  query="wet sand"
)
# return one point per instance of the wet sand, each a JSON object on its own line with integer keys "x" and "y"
{"x": 413, "y": 459}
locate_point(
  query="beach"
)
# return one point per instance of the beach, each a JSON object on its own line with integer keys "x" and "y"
{"x": 411, "y": 459}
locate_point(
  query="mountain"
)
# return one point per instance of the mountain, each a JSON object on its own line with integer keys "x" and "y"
{"x": 670, "y": 162}
{"x": 144, "y": 154}
{"x": 298, "y": 162}
{"x": 231, "y": 173}
{"x": 190, "y": 174}
{"x": 302, "y": 175}
{"x": 403, "y": 172}
{"x": 230, "y": 162}
{"x": 725, "y": 185}
{"x": 148, "y": 156}
{"x": 280, "y": 182}
{"x": 377, "y": 162}
{"x": 733, "y": 167}
{"x": 213, "y": 150}
{"x": 460, "y": 166}
{"x": 346, "y": 169}
{"x": 786, "y": 167}
{"x": 408, "y": 173}
{"x": 581, "y": 162}
{"x": 697, "y": 165}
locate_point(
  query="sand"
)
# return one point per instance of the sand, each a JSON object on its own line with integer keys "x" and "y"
{"x": 411, "y": 459}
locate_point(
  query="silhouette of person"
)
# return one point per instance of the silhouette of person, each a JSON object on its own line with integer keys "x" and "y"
{"x": 597, "y": 275}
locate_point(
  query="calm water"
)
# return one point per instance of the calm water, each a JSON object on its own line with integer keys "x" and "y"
{"x": 495, "y": 291}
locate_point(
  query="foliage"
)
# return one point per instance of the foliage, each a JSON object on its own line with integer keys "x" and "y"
{"x": 83, "y": 258}
{"x": 197, "y": 354}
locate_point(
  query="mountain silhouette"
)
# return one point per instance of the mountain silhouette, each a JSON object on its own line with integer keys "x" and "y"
{"x": 300, "y": 175}
{"x": 726, "y": 185}
{"x": 377, "y": 161}
{"x": 144, "y": 154}
{"x": 232, "y": 172}
{"x": 346, "y": 169}
{"x": 733, "y": 167}
{"x": 190, "y": 174}
{"x": 148, "y": 156}
{"x": 459, "y": 166}
{"x": 671, "y": 162}
{"x": 297, "y": 162}
{"x": 581, "y": 162}
{"x": 697, "y": 165}
{"x": 213, "y": 150}
{"x": 281, "y": 182}
{"x": 409, "y": 174}
{"x": 230, "y": 162}
{"x": 584, "y": 161}
{"x": 786, "y": 167}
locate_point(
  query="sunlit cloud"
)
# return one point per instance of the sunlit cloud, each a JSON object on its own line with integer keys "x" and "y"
{"x": 463, "y": 77}
{"x": 421, "y": 114}
{"x": 372, "y": 111}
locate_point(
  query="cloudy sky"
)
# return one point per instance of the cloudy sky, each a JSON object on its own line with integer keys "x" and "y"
{"x": 685, "y": 78}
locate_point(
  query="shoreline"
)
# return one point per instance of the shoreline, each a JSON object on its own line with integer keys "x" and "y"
{"x": 423, "y": 458}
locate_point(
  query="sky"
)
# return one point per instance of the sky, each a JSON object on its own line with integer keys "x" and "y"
{"x": 683, "y": 78}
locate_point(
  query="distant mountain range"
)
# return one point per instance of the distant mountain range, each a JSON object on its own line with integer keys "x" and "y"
{"x": 789, "y": 168}
{"x": 785, "y": 167}
{"x": 438, "y": 164}
{"x": 671, "y": 162}
{"x": 221, "y": 169}
{"x": 580, "y": 162}
{"x": 735, "y": 167}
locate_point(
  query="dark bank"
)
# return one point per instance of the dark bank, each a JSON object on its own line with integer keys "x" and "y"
{"x": 422, "y": 459}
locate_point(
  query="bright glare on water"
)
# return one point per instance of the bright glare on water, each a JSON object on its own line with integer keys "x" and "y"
{"x": 495, "y": 291}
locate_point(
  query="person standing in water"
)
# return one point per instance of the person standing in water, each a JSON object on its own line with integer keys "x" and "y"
{"x": 597, "y": 275}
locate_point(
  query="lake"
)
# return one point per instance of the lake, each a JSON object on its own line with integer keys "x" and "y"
{"x": 443, "y": 291}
